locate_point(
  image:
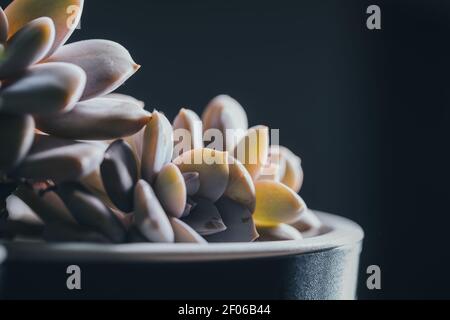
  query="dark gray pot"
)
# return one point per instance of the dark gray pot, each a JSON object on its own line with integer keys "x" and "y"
{"x": 324, "y": 267}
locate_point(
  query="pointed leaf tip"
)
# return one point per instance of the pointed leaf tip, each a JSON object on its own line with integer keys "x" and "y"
{"x": 157, "y": 149}
{"x": 107, "y": 64}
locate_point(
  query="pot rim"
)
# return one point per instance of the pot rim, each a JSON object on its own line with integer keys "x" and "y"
{"x": 341, "y": 232}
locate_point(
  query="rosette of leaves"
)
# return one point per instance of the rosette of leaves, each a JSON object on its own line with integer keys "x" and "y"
{"x": 53, "y": 98}
{"x": 273, "y": 174}
{"x": 204, "y": 194}
{"x": 83, "y": 164}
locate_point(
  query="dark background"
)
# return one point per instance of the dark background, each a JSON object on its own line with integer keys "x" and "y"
{"x": 368, "y": 111}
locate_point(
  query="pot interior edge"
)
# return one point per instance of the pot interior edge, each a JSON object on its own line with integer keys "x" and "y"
{"x": 343, "y": 233}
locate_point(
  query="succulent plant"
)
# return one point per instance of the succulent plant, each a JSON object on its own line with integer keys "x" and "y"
{"x": 84, "y": 164}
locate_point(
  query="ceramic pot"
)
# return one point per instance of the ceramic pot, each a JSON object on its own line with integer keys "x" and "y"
{"x": 322, "y": 267}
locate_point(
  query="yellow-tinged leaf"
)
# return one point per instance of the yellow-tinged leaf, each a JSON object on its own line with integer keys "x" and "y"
{"x": 212, "y": 166}
{"x": 276, "y": 204}
{"x": 241, "y": 188}
{"x": 65, "y": 14}
{"x": 253, "y": 150}
{"x": 171, "y": 190}
{"x": 275, "y": 168}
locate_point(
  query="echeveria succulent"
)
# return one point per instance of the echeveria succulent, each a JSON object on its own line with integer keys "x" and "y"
{"x": 84, "y": 164}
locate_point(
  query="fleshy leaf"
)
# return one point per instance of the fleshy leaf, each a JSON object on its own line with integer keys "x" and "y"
{"x": 59, "y": 163}
{"x": 294, "y": 175}
{"x": 275, "y": 168}
{"x": 212, "y": 167}
{"x": 225, "y": 113}
{"x": 27, "y": 47}
{"x": 120, "y": 175}
{"x": 16, "y": 139}
{"x": 187, "y": 210}
{"x": 125, "y": 98}
{"x": 240, "y": 186}
{"x": 135, "y": 236}
{"x": 44, "y": 89}
{"x": 239, "y": 222}
{"x": 184, "y": 233}
{"x": 6, "y": 189}
{"x": 171, "y": 190}
{"x": 253, "y": 150}
{"x": 205, "y": 219}
{"x": 65, "y": 14}
{"x": 4, "y": 26}
{"x": 282, "y": 232}
{"x": 192, "y": 181}
{"x": 90, "y": 212}
{"x": 276, "y": 204}
{"x": 188, "y": 120}
{"x": 309, "y": 224}
{"x": 48, "y": 207}
{"x": 20, "y": 211}
{"x": 96, "y": 119}
{"x": 151, "y": 220}
{"x": 136, "y": 143}
{"x": 107, "y": 64}
{"x": 157, "y": 146}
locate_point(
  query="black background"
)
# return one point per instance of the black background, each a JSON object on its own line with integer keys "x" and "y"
{"x": 368, "y": 111}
